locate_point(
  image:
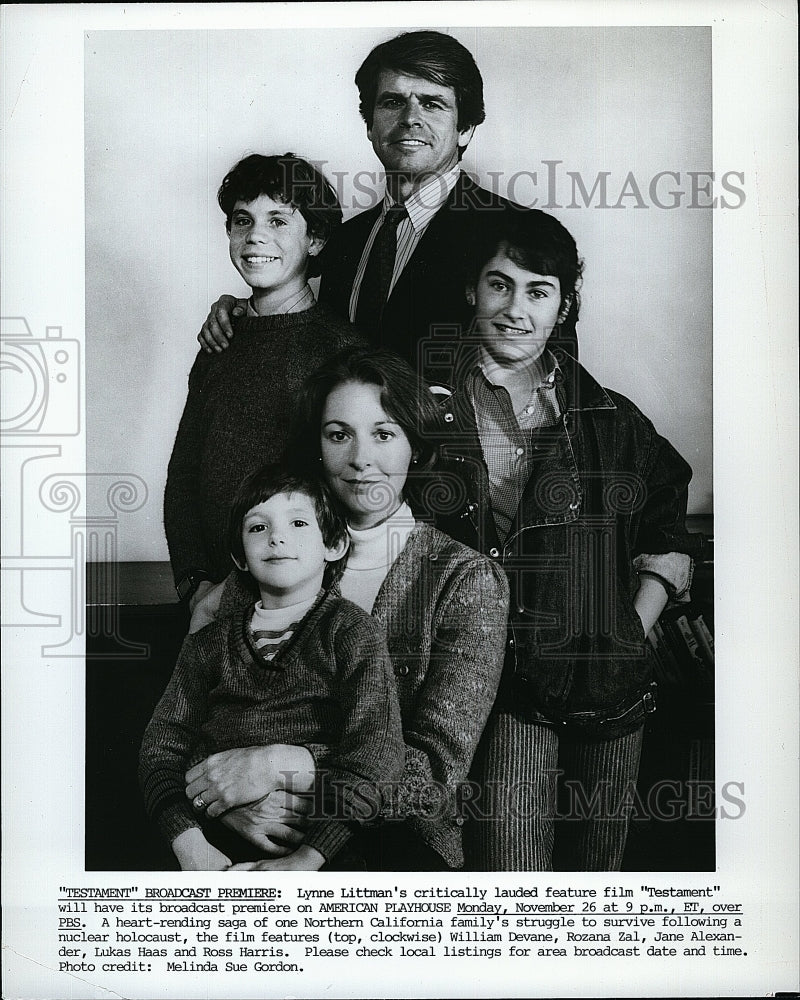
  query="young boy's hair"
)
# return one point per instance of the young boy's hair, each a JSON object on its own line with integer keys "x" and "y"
{"x": 269, "y": 480}
{"x": 537, "y": 242}
{"x": 288, "y": 179}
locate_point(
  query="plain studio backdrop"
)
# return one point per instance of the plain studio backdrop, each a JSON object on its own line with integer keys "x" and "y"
{"x": 168, "y": 113}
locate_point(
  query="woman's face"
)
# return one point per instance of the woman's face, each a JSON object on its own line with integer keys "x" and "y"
{"x": 365, "y": 453}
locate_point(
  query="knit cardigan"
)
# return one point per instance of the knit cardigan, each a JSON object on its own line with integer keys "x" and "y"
{"x": 236, "y": 418}
{"x": 330, "y": 684}
{"x": 444, "y": 609}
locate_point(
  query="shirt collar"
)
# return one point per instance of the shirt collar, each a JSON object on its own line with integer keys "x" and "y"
{"x": 426, "y": 201}
{"x": 296, "y": 302}
{"x": 281, "y": 618}
{"x": 579, "y": 390}
{"x": 542, "y": 371}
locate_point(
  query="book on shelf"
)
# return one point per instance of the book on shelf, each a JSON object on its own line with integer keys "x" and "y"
{"x": 688, "y": 636}
{"x": 681, "y": 639}
{"x": 667, "y": 669}
{"x": 705, "y": 639}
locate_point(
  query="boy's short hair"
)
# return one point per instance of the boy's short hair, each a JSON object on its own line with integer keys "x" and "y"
{"x": 269, "y": 480}
{"x": 430, "y": 55}
{"x": 288, "y": 179}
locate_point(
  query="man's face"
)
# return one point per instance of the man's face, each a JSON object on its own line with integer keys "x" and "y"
{"x": 515, "y": 311}
{"x": 414, "y": 127}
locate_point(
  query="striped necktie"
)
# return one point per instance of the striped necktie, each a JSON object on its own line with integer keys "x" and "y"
{"x": 374, "y": 290}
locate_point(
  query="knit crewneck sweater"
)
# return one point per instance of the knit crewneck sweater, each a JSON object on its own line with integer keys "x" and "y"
{"x": 236, "y": 418}
{"x": 372, "y": 552}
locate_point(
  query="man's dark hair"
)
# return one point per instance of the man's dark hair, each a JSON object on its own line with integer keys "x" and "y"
{"x": 432, "y": 56}
{"x": 404, "y": 397}
{"x": 537, "y": 242}
{"x": 268, "y": 481}
{"x": 287, "y": 179}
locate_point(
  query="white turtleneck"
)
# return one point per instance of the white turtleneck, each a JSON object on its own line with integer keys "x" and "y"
{"x": 372, "y": 552}
{"x": 273, "y": 627}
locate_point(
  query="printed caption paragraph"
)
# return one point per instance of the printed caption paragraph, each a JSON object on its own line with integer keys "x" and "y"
{"x": 271, "y": 930}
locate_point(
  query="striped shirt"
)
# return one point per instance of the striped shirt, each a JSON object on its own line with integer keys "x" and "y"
{"x": 421, "y": 207}
{"x": 272, "y": 628}
{"x": 294, "y": 303}
{"x": 507, "y": 440}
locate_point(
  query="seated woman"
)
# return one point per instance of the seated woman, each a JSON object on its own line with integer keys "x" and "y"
{"x": 368, "y": 424}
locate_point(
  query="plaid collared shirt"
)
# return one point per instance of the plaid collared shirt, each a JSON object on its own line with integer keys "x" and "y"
{"x": 508, "y": 439}
{"x": 421, "y": 207}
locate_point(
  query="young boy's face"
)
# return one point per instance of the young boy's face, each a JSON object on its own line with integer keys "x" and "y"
{"x": 270, "y": 244}
{"x": 284, "y": 550}
{"x": 515, "y": 311}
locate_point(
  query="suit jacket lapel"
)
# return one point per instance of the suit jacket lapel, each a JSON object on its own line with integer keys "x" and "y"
{"x": 340, "y": 258}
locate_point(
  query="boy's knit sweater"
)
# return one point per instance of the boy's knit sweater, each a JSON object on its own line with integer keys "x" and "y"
{"x": 443, "y": 609}
{"x": 236, "y": 418}
{"x": 331, "y": 684}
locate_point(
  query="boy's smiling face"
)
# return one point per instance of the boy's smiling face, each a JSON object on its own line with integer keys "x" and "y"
{"x": 270, "y": 246}
{"x": 284, "y": 550}
{"x": 515, "y": 310}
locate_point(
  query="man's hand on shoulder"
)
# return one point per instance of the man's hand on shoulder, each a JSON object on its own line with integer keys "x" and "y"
{"x": 204, "y": 605}
{"x": 217, "y": 329}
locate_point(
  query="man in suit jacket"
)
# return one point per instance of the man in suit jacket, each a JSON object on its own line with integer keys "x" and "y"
{"x": 399, "y": 270}
{"x": 427, "y": 306}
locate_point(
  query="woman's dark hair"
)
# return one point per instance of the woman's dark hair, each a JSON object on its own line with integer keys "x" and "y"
{"x": 537, "y": 242}
{"x": 268, "y": 481}
{"x": 286, "y": 178}
{"x": 404, "y": 397}
{"x": 432, "y": 56}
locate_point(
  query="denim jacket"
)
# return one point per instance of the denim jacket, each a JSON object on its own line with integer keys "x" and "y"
{"x": 605, "y": 488}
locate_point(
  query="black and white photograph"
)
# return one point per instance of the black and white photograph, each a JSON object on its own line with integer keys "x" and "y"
{"x": 587, "y": 523}
{"x": 390, "y": 477}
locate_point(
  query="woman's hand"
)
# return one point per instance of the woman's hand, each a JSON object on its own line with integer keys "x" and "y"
{"x": 275, "y": 824}
{"x": 244, "y": 775}
{"x": 196, "y": 854}
{"x": 217, "y": 329}
{"x": 204, "y": 605}
{"x": 304, "y": 859}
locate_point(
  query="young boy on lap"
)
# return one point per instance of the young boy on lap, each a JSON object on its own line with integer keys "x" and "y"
{"x": 304, "y": 667}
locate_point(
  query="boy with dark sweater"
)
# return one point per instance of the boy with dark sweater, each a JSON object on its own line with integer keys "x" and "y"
{"x": 279, "y": 213}
{"x": 303, "y": 667}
